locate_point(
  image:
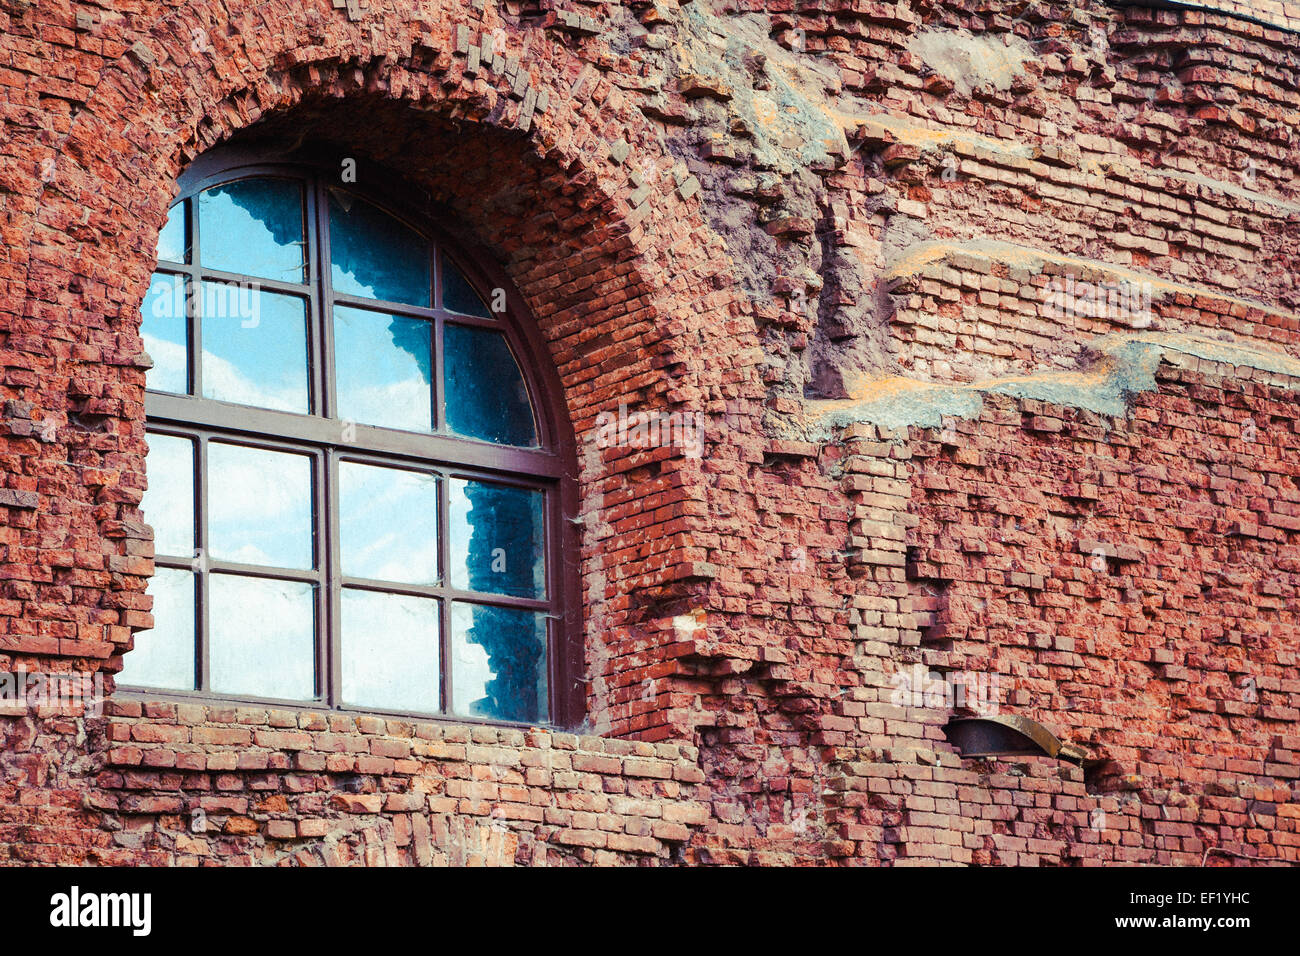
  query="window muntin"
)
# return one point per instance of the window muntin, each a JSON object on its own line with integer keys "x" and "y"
{"x": 311, "y": 546}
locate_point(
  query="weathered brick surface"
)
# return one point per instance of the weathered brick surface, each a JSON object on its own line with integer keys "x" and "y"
{"x": 792, "y": 219}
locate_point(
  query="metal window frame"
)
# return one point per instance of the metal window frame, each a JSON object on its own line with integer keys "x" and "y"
{"x": 549, "y": 468}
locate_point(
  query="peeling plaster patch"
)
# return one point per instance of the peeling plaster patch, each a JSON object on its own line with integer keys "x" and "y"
{"x": 969, "y": 61}
{"x": 1125, "y": 365}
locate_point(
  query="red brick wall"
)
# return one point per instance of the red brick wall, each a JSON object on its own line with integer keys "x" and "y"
{"x": 836, "y": 246}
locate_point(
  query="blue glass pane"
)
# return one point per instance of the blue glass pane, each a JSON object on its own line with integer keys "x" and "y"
{"x": 164, "y": 655}
{"x": 168, "y": 503}
{"x": 390, "y": 651}
{"x": 486, "y": 395}
{"x": 165, "y": 334}
{"x": 254, "y": 347}
{"x": 259, "y": 506}
{"x": 383, "y": 370}
{"x": 174, "y": 240}
{"x": 497, "y": 539}
{"x": 254, "y": 227}
{"x": 263, "y": 637}
{"x": 458, "y": 295}
{"x": 498, "y": 663}
{"x": 374, "y": 255}
{"x": 388, "y": 524}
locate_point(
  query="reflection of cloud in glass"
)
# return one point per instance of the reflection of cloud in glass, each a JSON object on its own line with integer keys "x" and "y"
{"x": 168, "y": 503}
{"x": 163, "y": 329}
{"x": 260, "y": 506}
{"x": 374, "y": 255}
{"x": 390, "y": 651}
{"x": 383, "y": 369}
{"x": 263, "y": 637}
{"x": 263, "y": 364}
{"x": 253, "y": 227}
{"x": 164, "y": 655}
{"x": 388, "y": 524}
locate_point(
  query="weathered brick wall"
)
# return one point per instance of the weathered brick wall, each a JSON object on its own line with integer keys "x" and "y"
{"x": 833, "y": 229}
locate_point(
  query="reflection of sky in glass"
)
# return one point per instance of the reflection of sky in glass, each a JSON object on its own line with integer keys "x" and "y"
{"x": 263, "y": 637}
{"x": 253, "y": 227}
{"x": 498, "y": 663}
{"x": 486, "y": 395}
{"x": 390, "y": 651}
{"x": 382, "y": 369}
{"x": 173, "y": 241}
{"x": 497, "y": 539}
{"x": 259, "y": 506}
{"x": 165, "y": 335}
{"x": 388, "y": 524}
{"x": 254, "y": 347}
{"x": 458, "y": 295}
{"x": 375, "y": 256}
{"x": 164, "y": 655}
{"x": 169, "y": 502}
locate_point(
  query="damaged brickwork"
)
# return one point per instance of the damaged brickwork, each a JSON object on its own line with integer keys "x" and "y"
{"x": 988, "y": 307}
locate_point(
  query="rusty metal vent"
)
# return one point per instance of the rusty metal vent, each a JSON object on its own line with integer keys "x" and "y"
{"x": 1008, "y": 736}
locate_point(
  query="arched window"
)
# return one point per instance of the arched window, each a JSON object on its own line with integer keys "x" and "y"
{"x": 355, "y": 472}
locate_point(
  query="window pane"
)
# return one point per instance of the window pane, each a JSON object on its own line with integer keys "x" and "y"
{"x": 458, "y": 295}
{"x": 486, "y": 395}
{"x": 263, "y": 637}
{"x": 164, "y": 655}
{"x": 253, "y": 227}
{"x": 383, "y": 370}
{"x": 374, "y": 255}
{"x": 390, "y": 651}
{"x": 169, "y": 502}
{"x": 498, "y": 663}
{"x": 388, "y": 524}
{"x": 497, "y": 539}
{"x": 260, "y": 506}
{"x": 166, "y": 334}
{"x": 174, "y": 240}
{"x": 254, "y": 347}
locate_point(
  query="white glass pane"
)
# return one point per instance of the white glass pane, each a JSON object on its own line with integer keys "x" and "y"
{"x": 388, "y": 524}
{"x": 263, "y": 637}
{"x": 163, "y": 656}
{"x": 168, "y": 503}
{"x": 260, "y": 506}
{"x": 390, "y": 651}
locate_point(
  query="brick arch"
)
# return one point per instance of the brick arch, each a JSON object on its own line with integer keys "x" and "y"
{"x": 626, "y": 282}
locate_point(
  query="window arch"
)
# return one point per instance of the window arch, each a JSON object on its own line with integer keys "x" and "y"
{"x": 357, "y": 473}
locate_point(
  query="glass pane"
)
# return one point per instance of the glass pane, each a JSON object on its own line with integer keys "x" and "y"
{"x": 169, "y": 502}
{"x": 388, "y": 524}
{"x": 254, "y": 347}
{"x": 497, "y": 539}
{"x": 486, "y": 395}
{"x": 498, "y": 663}
{"x": 374, "y": 255}
{"x": 390, "y": 651}
{"x": 174, "y": 240}
{"x": 383, "y": 370}
{"x": 263, "y": 637}
{"x": 254, "y": 227}
{"x": 458, "y": 295}
{"x": 166, "y": 334}
{"x": 164, "y": 655}
{"x": 259, "y": 506}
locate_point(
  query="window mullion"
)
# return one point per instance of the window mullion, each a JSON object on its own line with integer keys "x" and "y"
{"x": 200, "y": 566}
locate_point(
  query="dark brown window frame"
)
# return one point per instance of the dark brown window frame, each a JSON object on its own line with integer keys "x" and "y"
{"x": 550, "y": 467}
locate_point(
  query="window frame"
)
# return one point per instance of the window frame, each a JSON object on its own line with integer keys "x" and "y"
{"x": 550, "y": 466}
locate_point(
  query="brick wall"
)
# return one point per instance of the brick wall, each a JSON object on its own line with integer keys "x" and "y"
{"x": 833, "y": 229}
